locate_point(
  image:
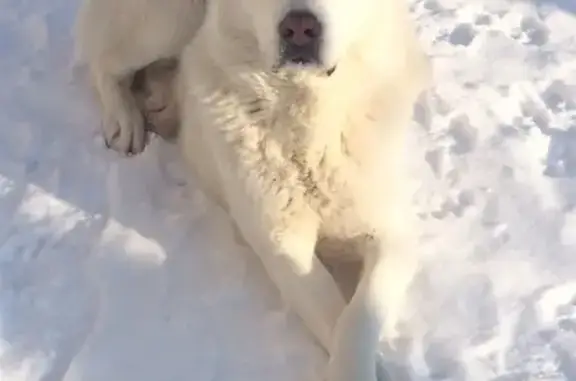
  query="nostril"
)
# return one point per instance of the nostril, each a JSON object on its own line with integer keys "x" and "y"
{"x": 311, "y": 33}
{"x": 286, "y": 33}
{"x": 289, "y": 33}
{"x": 299, "y": 28}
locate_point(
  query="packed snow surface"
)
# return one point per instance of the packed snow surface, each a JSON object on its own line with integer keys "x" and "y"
{"x": 112, "y": 270}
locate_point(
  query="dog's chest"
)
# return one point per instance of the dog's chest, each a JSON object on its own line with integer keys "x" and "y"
{"x": 326, "y": 163}
{"x": 336, "y": 192}
{"x": 307, "y": 151}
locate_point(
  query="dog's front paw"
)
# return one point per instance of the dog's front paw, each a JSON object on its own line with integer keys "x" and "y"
{"x": 125, "y": 132}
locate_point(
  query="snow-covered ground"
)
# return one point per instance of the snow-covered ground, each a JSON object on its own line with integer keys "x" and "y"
{"x": 111, "y": 271}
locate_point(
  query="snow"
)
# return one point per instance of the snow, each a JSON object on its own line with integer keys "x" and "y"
{"x": 110, "y": 269}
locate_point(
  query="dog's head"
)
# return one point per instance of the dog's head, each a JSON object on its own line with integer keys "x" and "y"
{"x": 311, "y": 34}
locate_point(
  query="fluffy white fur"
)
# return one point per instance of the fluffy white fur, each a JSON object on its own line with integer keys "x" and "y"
{"x": 115, "y": 38}
{"x": 307, "y": 164}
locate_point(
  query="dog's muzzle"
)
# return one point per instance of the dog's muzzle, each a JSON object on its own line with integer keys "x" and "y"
{"x": 301, "y": 36}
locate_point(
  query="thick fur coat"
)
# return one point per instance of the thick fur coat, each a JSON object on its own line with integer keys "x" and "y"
{"x": 307, "y": 160}
{"x": 309, "y": 165}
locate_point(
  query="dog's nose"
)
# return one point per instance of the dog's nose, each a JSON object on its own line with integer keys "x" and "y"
{"x": 300, "y": 29}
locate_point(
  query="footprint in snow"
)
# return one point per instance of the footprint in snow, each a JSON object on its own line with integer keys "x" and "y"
{"x": 534, "y": 31}
{"x": 462, "y": 35}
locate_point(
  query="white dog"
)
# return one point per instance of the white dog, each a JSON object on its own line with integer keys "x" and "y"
{"x": 293, "y": 115}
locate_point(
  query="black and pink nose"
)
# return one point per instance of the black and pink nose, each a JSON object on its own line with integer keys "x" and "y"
{"x": 300, "y": 34}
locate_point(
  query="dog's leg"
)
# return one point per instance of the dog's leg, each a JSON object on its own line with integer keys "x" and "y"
{"x": 285, "y": 242}
{"x": 123, "y": 123}
{"x": 289, "y": 258}
{"x": 375, "y": 307}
